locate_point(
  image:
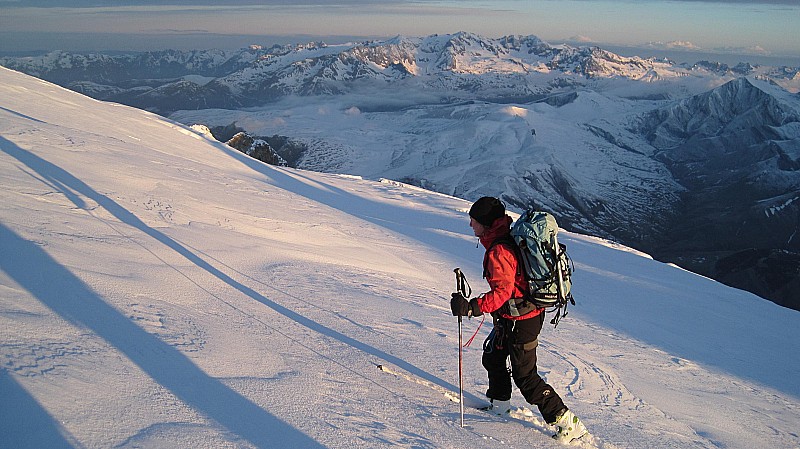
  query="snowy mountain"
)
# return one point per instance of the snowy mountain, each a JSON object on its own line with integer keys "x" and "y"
{"x": 736, "y": 150}
{"x": 676, "y": 160}
{"x": 161, "y": 289}
{"x": 681, "y": 179}
{"x": 451, "y": 66}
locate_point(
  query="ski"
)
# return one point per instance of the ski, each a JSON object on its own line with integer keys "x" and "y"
{"x": 521, "y": 414}
{"x": 454, "y": 397}
{"x": 529, "y": 418}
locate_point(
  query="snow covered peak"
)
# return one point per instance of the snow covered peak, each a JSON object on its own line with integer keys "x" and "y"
{"x": 736, "y": 104}
{"x": 451, "y": 64}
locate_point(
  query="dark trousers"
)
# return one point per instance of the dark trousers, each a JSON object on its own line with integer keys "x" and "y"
{"x": 518, "y": 340}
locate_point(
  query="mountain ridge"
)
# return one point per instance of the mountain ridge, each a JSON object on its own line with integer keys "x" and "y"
{"x": 454, "y": 64}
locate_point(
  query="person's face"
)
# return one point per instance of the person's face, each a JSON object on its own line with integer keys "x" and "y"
{"x": 477, "y": 228}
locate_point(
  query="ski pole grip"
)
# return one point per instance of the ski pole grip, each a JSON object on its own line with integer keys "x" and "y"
{"x": 462, "y": 284}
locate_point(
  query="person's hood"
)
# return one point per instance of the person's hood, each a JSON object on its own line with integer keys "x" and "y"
{"x": 499, "y": 228}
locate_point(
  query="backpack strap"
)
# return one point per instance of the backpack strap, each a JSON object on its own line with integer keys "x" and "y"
{"x": 510, "y": 244}
{"x": 514, "y": 306}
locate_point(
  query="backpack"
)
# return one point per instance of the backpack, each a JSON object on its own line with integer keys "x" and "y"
{"x": 534, "y": 241}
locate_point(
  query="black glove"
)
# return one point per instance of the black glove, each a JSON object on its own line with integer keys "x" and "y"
{"x": 461, "y": 307}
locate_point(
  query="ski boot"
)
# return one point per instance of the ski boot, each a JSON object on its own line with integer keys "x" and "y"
{"x": 568, "y": 427}
{"x": 498, "y": 407}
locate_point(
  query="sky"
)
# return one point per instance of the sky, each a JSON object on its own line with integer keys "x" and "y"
{"x": 762, "y": 28}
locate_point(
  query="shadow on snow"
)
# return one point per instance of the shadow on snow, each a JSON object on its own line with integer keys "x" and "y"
{"x": 60, "y": 290}
{"x": 64, "y": 293}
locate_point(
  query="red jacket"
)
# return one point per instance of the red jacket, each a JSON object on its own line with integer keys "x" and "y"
{"x": 501, "y": 273}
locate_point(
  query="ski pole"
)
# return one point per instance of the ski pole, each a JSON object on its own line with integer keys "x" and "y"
{"x": 460, "y": 281}
{"x": 460, "y": 374}
{"x": 562, "y": 299}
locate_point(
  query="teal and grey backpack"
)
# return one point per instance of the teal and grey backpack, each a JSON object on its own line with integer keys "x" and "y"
{"x": 545, "y": 264}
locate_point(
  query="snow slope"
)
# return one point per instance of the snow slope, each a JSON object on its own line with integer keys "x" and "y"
{"x": 159, "y": 289}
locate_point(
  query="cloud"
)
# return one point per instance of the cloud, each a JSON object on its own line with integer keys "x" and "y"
{"x": 735, "y": 2}
{"x": 234, "y": 3}
{"x": 752, "y": 50}
{"x": 673, "y": 45}
{"x": 581, "y": 39}
{"x": 175, "y": 31}
{"x": 748, "y": 2}
{"x": 187, "y": 3}
{"x": 690, "y": 47}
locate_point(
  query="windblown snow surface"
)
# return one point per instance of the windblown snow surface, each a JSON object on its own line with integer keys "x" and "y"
{"x": 160, "y": 290}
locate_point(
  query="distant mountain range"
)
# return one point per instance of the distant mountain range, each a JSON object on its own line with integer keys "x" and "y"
{"x": 464, "y": 64}
{"x": 696, "y": 164}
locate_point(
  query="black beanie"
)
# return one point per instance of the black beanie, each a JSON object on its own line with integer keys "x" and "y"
{"x": 486, "y": 210}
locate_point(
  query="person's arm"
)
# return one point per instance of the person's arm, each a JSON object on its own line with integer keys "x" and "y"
{"x": 501, "y": 270}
